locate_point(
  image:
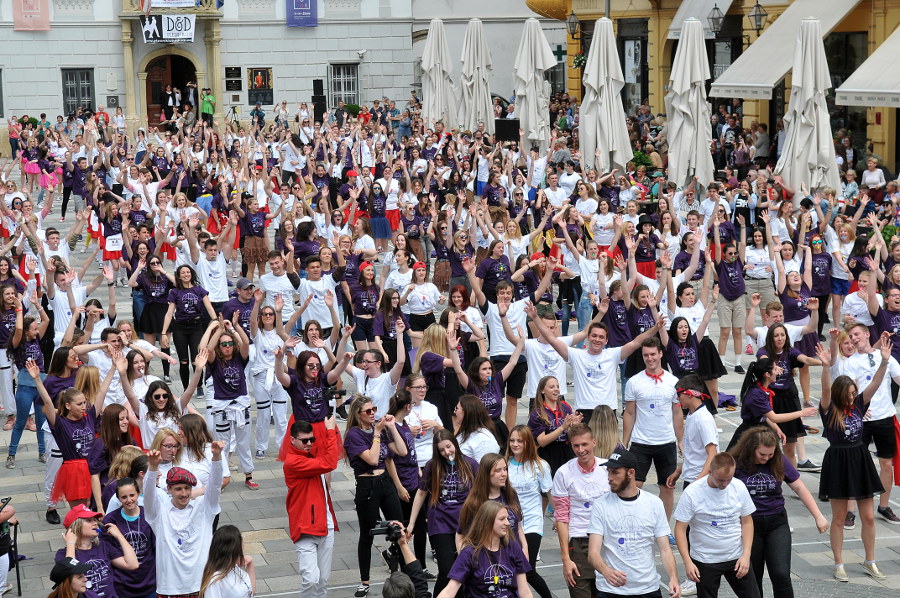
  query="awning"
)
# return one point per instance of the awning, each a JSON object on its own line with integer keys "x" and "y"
{"x": 876, "y": 82}
{"x": 769, "y": 58}
{"x": 698, "y": 9}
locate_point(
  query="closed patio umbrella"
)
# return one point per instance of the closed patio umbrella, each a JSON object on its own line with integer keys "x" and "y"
{"x": 438, "y": 96}
{"x": 475, "y": 91}
{"x": 532, "y": 89}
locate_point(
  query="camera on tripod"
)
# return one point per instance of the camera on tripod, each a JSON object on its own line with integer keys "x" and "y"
{"x": 393, "y": 532}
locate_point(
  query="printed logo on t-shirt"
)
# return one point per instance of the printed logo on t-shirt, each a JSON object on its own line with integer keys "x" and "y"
{"x": 627, "y": 541}
{"x": 139, "y": 542}
{"x": 723, "y": 517}
{"x": 231, "y": 375}
{"x": 98, "y": 575}
{"x": 498, "y": 578}
{"x": 452, "y": 488}
{"x": 761, "y": 484}
{"x": 83, "y": 439}
{"x": 185, "y": 539}
{"x": 189, "y": 302}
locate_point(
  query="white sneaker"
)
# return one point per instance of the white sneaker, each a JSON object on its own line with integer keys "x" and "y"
{"x": 688, "y": 588}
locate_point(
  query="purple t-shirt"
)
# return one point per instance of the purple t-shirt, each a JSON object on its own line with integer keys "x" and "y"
{"x": 683, "y": 260}
{"x": 305, "y": 249}
{"x": 491, "y": 394}
{"x": 853, "y": 423}
{"x": 765, "y": 488}
{"x": 55, "y": 385}
{"x": 236, "y": 305}
{"x": 188, "y": 303}
{"x": 532, "y": 281}
{"x": 307, "y": 399}
{"x": 7, "y": 325}
{"x": 432, "y": 366}
{"x": 616, "y": 320}
{"x": 358, "y": 441}
{"x": 413, "y": 227}
{"x": 75, "y": 438}
{"x": 490, "y": 574}
{"x": 795, "y": 308}
{"x": 253, "y": 225}
{"x": 731, "y": 279}
{"x": 408, "y": 465}
{"x": 755, "y": 405}
{"x": 30, "y": 350}
{"x": 727, "y": 233}
{"x": 640, "y": 319}
{"x": 885, "y": 320}
{"x": 228, "y": 377}
{"x": 456, "y": 258}
{"x": 683, "y": 357}
{"x": 100, "y": 558}
{"x": 555, "y": 420}
{"x": 491, "y": 272}
{"x": 443, "y": 516}
{"x": 821, "y": 274}
{"x": 787, "y": 361}
{"x": 388, "y": 332}
{"x": 156, "y": 290}
{"x": 645, "y": 251}
{"x": 365, "y": 299}
{"x": 98, "y": 460}
{"x": 142, "y": 581}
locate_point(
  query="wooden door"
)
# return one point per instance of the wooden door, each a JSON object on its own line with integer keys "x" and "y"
{"x": 159, "y": 74}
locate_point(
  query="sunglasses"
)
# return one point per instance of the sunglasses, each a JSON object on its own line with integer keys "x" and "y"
{"x": 313, "y": 366}
{"x": 268, "y": 314}
{"x": 226, "y": 344}
{"x": 309, "y": 440}
{"x": 163, "y": 395}
{"x": 370, "y": 410}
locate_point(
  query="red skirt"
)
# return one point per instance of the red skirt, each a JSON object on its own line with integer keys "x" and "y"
{"x": 393, "y": 217}
{"x": 318, "y": 432}
{"x": 72, "y": 482}
{"x": 646, "y": 269}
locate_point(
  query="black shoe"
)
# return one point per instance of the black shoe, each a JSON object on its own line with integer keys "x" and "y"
{"x": 341, "y": 412}
{"x": 52, "y": 517}
{"x": 429, "y": 575}
{"x": 739, "y": 369}
{"x": 362, "y": 590}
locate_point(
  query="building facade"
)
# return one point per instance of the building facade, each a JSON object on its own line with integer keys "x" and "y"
{"x": 94, "y": 54}
{"x": 648, "y": 32}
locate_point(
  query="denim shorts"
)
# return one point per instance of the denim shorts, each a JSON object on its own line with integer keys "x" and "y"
{"x": 839, "y": 286}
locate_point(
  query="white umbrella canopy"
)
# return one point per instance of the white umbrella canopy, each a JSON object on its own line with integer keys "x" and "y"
{"x": 532, "y": 89}
{"x": 474, "y": 90}
{"x": 602, "y": 127}
{"x": 438, "y": 96}
{"x": 688, "y": 111}
{"x": 808, "y": 154}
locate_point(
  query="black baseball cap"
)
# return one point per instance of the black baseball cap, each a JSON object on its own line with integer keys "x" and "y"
{"x": 621, "y": 458}
{"x": 66, "y": 568}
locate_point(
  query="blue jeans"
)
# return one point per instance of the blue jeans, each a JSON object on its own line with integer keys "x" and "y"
{"x": 584, "y": 312}
{"x": 138, "y": 302}
{"x": 25, "y": 398}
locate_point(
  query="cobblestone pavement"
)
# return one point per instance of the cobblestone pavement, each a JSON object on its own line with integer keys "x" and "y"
{"x": 261, "y": 517}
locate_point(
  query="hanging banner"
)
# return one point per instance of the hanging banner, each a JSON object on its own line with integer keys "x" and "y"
{"x": 31, "y": 15}
{"x": 301, "y": 13}
{"x": 168, "y": 29}
{"x": 173, "y": 3}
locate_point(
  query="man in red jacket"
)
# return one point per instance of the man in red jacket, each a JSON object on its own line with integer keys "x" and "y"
{"x": 310, "y": 511}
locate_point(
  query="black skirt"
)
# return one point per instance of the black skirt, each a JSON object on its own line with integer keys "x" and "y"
{"x": 711, "y": 366}
{"x": 556, "y": 454}
{"x": 788, "y": 401}
{"x": 153, "y": 317}
{"x": 848, "y": 473}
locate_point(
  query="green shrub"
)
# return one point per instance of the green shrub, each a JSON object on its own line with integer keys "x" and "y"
{"x": 352, "y": 109}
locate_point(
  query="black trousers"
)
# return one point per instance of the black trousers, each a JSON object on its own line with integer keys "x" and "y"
{"x": 187, "y": 337}
{"x": 534, "y": 578}
{"x": 445, "y": 552}
{"x": 374, "y": 495}
{"x": 711, "y": 575}
{"x": 420, "y": 536}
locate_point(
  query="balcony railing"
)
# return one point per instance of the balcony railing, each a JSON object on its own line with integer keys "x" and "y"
{"x": 206, "y": 8}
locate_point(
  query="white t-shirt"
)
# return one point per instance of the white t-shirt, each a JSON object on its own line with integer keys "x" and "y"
{"x": 757, "y": 260}
{"x": 235, "y": 584}
{"x": 279, "y": 285}
{"x": 862, "y": 367}
{"x": 653, "y": 402}
{"x": 149, "y": 427}
{"x": 715, "y": 519}
{"x": 568, "y": 181}
{"x": 379, "y": 389}
{"x": 62, "y": 312}
{"x": 423, "y": 298}
{"x": 478, "y": 444}
{"x": 582, "y": 489}
{"x": 588, "y": 270}
{"x": 543, "y": 360}
{"x": 425, "y": 439}
{"x": 858, "y": 309}
{"x": 213, "y": 276}
{"x": 530, "y": 482}
{"x": 794, "y": 333}
{"x": 595, "y": 377}
{"x": 318, "y": 309}
{"x": 699, "y": 432}
{"x": 100, "y": 360}
{"x": 630, "y": 529}
{"x": 515, "y": 315}
{"x": 556, "y": 197}
{"x": 693, "y": 315}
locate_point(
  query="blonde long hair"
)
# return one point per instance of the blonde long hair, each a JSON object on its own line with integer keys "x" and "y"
{"x": 434, "y": 340}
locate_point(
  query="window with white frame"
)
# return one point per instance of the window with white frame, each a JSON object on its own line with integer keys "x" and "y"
{"x": 343, "y": 83}
{"x": 78, "y": 89}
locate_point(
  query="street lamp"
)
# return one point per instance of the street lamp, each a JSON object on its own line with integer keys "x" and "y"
{"x": 758, "y": 16}
{"x": 573, "y": 24}
{"x": 715, "y": 19}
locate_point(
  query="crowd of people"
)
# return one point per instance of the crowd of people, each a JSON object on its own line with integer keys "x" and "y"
{"x": 441, "y": 271}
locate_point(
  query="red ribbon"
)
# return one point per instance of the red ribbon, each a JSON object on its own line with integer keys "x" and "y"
{"x": 771, "y": 394}
{"x": 658, "y": 377}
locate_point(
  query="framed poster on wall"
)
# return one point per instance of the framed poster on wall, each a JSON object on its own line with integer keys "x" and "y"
{"x": 259, "y": 86}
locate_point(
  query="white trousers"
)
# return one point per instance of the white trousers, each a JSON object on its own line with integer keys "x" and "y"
{"x": 314, "y": 558}
{"x": 272, "y": 401}
{"x": 54, "y": 462}
{"x": 4, "y": 570}
{"x": 224, "y": 430}
{"x": 6, "y": 383}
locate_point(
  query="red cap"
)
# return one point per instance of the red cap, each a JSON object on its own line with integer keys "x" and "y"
{"x": 537, "y": 255}
{"x": 352, "y": 173}
{"x": 365, "y": 265}
{"x": 259, "y": 167}
{"x": 180, "y": 475}
{"x": 79, "y": 512}
{"x": 418, "y": 265}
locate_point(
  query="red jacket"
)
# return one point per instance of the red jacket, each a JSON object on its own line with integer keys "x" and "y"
{"x": 307, "y": 504}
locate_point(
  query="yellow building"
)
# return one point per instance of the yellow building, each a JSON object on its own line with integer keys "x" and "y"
{"x": 754, "y": 65}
